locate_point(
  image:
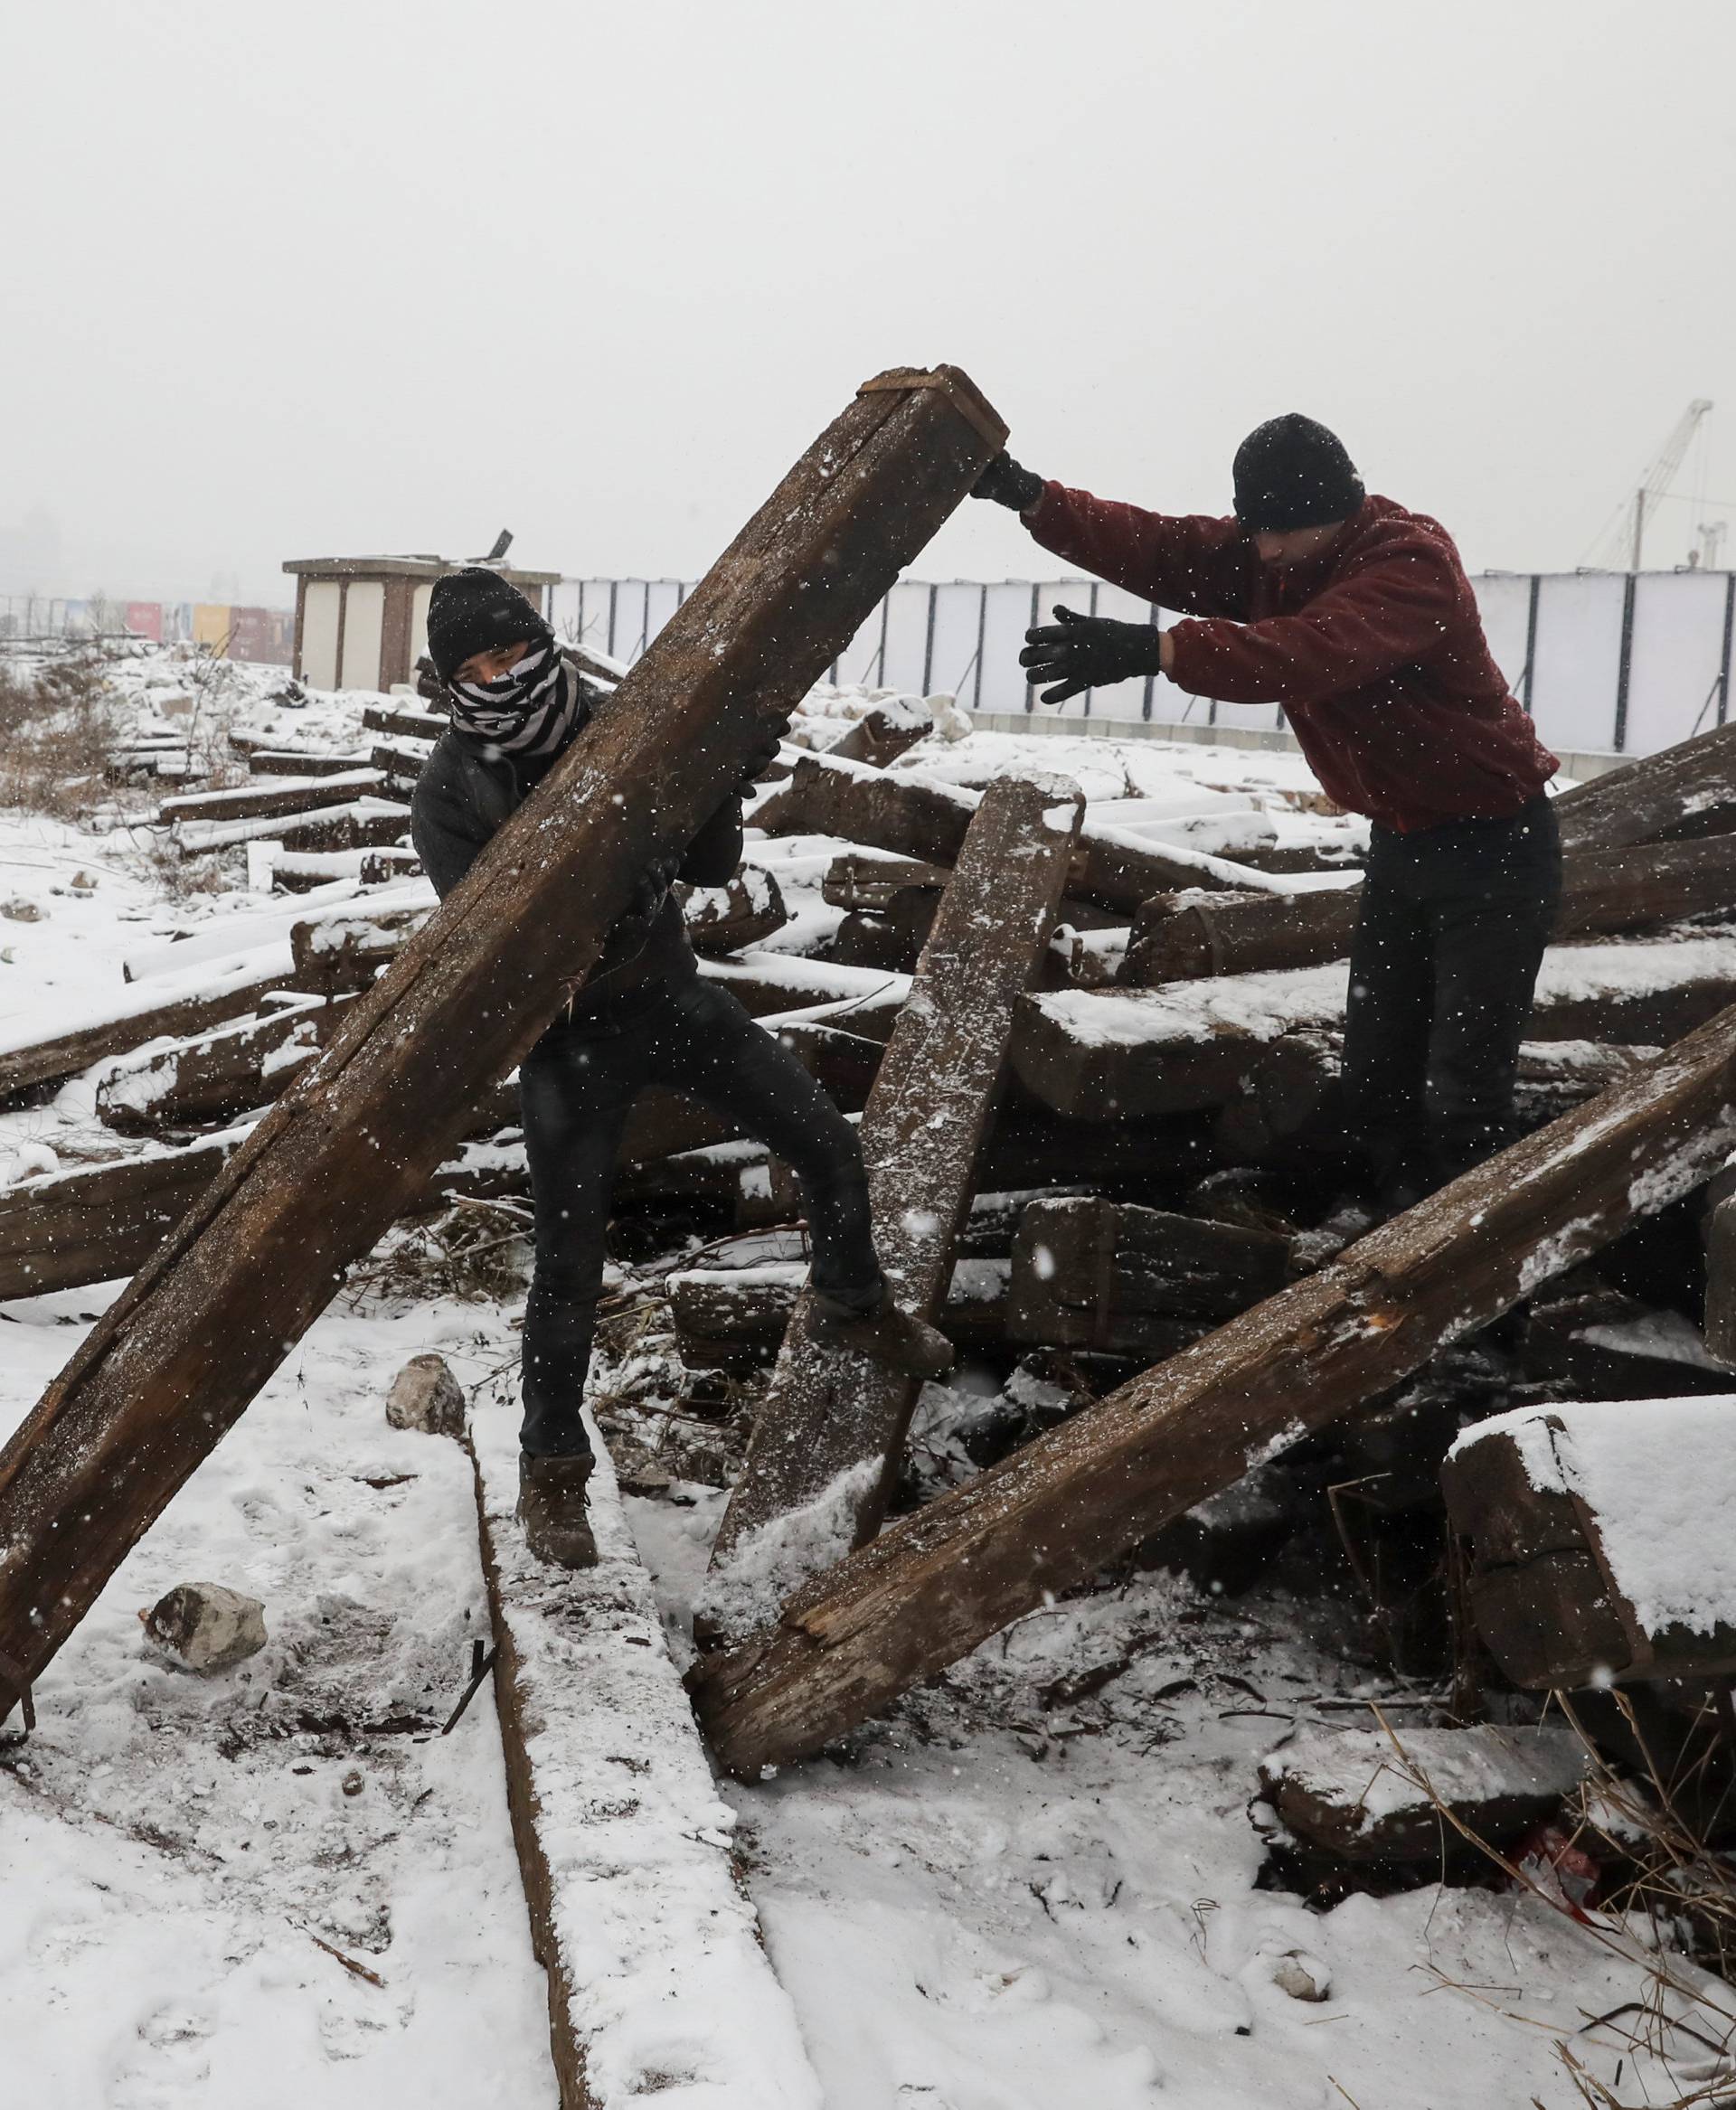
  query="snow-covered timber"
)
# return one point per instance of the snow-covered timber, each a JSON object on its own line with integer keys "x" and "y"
{"x": 656, "y": 1973}
{"x": 1689, "y": 789}
{"x": 169, "y": 1007}
{"x": 1089, "y": 1273}
{"x": 1290, "y": 1100}
{"x": 882, "y": 734}
{"x": 722, "y": 919}
{"x": 1179, "y": 939}
{"x": 212, "y": 1075}
{"x": 1597, "y": 1536}
{"x": 934, "y": 1585}
{"x": 831, "y": 1415}
{"x": 1102, "y": 1054}
{"x": 1351, "y": 1795}
{"x": 734, "y": 1319}
{"x": 363, "y": 823}
{"x": 198, "y": 1330}
{"x": 284, "y": 795}
{"x": 401, "y": 719}
{"x": 926, "y": 821}
{"x": 294, "y": 762}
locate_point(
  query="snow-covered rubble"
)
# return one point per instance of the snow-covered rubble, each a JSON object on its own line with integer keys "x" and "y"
{"x": 1033, "y": 1887}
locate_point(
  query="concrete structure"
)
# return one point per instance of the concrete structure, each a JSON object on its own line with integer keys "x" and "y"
{"x": 362, "y": 622}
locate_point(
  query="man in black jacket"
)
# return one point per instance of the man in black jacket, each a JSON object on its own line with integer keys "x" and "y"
{"x": 645, "y": 1016}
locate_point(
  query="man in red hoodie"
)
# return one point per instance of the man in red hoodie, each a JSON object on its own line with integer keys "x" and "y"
{"x": 1357, "y": 616}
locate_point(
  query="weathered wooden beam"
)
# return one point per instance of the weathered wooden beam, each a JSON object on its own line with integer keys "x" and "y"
{"x": 734, "y": 1319}
{"x": 624, "y": 1845}
{"x": 169, "y": 1007}
{"x": 1179, "y": 937}
{"x": 294, "y": 762}
{"x": 363, "y": 823}
{"x": 1687, "y": 789}
{"x": 882, "y": 734}
{"x": 209, "y": 1076}
{"x": 1291, "y": 1100}
{"x": 1105, "y": 1053}
{"x": 1581, "y": 1568}
{"x": 178, "y": 1357}
{"x": 917, "y": 818}
{"x": 722, "y": 919}
{"x": 866, "y": 881}
{"x": 836, "y": 1420}
{"x": 1720, "y": 1280}
{"x": 284, "y": 795}
{"x": 402, "y": 720}
{"x": 1089, "y": 1273}
{"x": 936, "y": 1584}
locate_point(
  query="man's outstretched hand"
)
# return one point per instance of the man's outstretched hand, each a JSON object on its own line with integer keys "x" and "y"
{"x": 1006, "y": 483}
{"x": 1088, "y": 652}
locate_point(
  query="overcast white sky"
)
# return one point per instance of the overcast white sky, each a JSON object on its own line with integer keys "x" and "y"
{"x": 287, "y": 280}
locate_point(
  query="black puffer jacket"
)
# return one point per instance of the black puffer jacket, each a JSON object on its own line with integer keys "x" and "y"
{"x": 466, "y": 793}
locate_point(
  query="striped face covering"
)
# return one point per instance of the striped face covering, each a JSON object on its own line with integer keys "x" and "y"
{"x": 531, "y": 710}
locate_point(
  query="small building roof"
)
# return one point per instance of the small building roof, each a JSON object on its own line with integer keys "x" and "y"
{"x": 418, "y": 566}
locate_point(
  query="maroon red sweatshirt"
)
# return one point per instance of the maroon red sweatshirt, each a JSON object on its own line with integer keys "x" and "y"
{"x": 1374, "y": 648}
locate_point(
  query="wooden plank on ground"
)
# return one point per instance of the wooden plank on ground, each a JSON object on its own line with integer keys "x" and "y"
{"x": 172, "y": 1006}
{"x": 657, "y": 1977}
{"x": 284, "y": 795}
{"x": 834, "y": 1421}
{"x": 936, "y": 1584}
{"x": 362, "y": 823}
{"x": 722, "y": 919}
{"x": 176, "y": 1360}
{"x": 292, "y": 762}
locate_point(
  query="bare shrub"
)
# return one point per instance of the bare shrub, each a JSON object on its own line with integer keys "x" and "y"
{"x": 57, "y": 734}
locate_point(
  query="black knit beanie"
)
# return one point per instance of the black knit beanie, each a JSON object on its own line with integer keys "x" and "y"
{"x": 1291, "y": 473}
{"x": 473, "y": 611}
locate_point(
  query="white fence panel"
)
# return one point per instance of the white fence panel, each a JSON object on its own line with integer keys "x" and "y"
{"x": 907, "y": 637}
{"x": 1676, "y": 659}
{"x": 662, "y": 597}
{"x": 1579, "y": 657}
{"x": 1503, "y": 602}
{"x": 1005, "y": 620}
{"x": 952, "y": 658}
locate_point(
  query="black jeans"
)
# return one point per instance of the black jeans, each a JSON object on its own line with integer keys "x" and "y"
{"x": 575, "y": 1087}
{"x": 1442, "y": 969}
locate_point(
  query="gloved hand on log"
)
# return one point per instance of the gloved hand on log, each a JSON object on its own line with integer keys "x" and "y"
{"x": 1089, "y": 652}
{"x": 650, "y": 889}
{"x": 1008, "y": 483}
{"x": 759, "y": 761}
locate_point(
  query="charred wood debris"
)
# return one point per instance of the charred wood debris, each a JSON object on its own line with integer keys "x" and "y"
{"x": 1156, "y": 1151}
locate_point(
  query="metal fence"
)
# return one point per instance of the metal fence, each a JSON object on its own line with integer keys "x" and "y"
{"x": 1618, "y": 663}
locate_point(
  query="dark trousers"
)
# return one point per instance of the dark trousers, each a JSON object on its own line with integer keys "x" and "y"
{"x": 1442, "y": 969}
{"x": 575, "y": 1087}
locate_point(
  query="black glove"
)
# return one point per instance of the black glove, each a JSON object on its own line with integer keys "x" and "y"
{"x": 650, "y": 889}
{"x": 1088, "y": 652}
{"x": 759, "y": 761}
{"x": 1008, "y": 483}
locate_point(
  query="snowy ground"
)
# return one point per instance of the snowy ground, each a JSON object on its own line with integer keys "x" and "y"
{"x": 1028, "y": 1890}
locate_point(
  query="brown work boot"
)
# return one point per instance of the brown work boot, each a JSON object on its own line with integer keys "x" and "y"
{"x": 897, "y": 1337}
{"x": 552, "y": 1508}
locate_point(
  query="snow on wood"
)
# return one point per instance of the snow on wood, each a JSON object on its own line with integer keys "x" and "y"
{"x": 1102, "y": 1054}
{"x": 1601, "y": 1538}
{"x": 294, "y": 762}
{"x": 934, "y": 1585}
{"x": 832, "y": 1416}
{"x": 1687, "y": 789}
{"x": 361, "y": 825}
{"x": 201, "y": 1328}
{"x": 168, "y": 1006}
{"x": 284, "y": 795}
{"x": 1351, "y": 1794}
{"x": 212, "y": 1076}
{"x": 657, "y": 1979}
{"x": 722, "y": 919}
{"x": 1180, "y": 936}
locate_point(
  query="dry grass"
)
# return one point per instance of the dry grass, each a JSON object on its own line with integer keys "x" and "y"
{"x": 57, "y": 734}
{"x": 1670, "y": 1901}
{"x": 473, "y": 1251}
